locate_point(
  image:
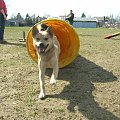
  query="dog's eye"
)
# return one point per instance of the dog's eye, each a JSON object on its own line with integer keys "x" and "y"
{"x": 37, "y": 39}
{"x": 46, "y": 39}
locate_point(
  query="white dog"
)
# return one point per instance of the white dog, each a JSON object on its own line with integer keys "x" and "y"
{"x": 47, "y": 48}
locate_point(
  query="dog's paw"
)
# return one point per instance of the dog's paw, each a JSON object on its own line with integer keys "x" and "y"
{"x": 41, "y": 96}
{"x": 52, "y": 81}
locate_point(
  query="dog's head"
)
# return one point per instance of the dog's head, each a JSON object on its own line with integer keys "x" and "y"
{"x": 42, "y": 38}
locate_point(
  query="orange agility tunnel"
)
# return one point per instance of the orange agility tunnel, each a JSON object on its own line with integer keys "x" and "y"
{"x": 67, "y": 37}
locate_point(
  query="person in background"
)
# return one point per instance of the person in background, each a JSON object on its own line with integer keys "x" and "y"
{"x": 3, "y": 17}
{"x": 70, "y": 17}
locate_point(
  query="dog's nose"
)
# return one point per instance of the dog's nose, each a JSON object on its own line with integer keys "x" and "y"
{"x": 41, "y": 45}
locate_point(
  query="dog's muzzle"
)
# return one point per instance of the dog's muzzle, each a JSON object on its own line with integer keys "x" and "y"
{"x": 42, "y": 48}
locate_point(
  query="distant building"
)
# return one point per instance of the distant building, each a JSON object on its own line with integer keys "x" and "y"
{"x": 85, "y": 22}
{"x": 12, "y": 22}
{"x": 82, "y": 22}
{"x": 101, "y": 21}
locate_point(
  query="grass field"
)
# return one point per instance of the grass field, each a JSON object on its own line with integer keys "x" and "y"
{"x": 87, "y": 89}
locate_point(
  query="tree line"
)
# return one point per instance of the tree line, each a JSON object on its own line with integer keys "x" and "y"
{"x": 28, "y": 20}
{"x": 31, "y": 20}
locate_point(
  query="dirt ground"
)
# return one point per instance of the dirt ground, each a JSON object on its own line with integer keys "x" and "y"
{"x": 87, "y": 89}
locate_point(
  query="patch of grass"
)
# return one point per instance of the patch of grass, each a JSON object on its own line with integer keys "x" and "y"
{"x": 87, "y": 89}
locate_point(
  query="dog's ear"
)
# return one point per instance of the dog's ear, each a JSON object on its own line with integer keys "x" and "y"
{"x": 34, "y": 31}
{"x": 49, "y": 30}
{"x": 43, "y": 27}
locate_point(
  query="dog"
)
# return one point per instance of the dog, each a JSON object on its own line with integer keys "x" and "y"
{"x": 47, "y": 48}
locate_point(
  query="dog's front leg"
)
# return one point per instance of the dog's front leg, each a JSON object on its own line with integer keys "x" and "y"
{"x": 42, "y": 69}
{"x": 55, "y": 72}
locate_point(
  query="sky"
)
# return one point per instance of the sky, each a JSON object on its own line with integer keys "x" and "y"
{"x": 55, "y": 8}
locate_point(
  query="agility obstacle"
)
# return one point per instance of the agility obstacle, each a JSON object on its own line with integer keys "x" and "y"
{"x": 67, "y": 36}
{"x": 112, "y": 35}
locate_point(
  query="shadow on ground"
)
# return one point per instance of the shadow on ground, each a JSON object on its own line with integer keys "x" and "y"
{"x": 115, "y": 39}
{"x": 81, "y": 73}
{"x": 22, "y": 44}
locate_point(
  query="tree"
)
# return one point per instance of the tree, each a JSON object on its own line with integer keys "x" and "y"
{"x": 38, "y": 19}
{"x": 28, "y": 20}
{"x": 13, "y": 17}
{"x": 83, "y": 15}
{"x": 19, "y": 17}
